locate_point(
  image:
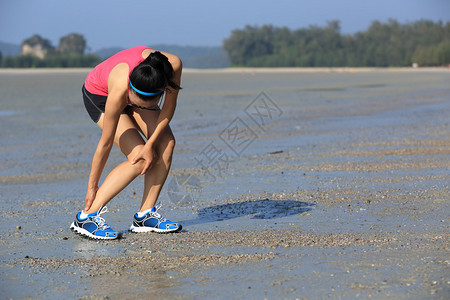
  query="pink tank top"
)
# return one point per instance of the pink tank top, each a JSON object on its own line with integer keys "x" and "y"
{"x": 97, "y": 80}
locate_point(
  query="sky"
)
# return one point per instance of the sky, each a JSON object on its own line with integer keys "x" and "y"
{"x": 128, "y": 23}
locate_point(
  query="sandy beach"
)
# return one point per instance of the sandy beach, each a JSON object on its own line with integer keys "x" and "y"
{"x": 244, "y": 70}
{"x": 338, "y": 187}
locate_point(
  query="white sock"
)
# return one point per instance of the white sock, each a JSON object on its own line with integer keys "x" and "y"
{"x": 83, "y": 215}
{"x": 141, "y": 214}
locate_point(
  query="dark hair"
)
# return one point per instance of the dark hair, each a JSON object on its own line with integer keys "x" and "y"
{"x": 153, "y": 75}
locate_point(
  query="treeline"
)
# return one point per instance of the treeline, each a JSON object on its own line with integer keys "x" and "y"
{"x": 382, "y": 45}
{"x": 51, "y": 61}
{"x": 38, "y": 52}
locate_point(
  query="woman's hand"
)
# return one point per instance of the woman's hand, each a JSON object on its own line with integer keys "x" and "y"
{"x": 90, "y": 197}
{"x": 147, "y": 154}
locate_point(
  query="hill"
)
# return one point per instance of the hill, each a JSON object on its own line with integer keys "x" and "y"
{"x": 192, "y": 56}
{"x": 8, "y": 49}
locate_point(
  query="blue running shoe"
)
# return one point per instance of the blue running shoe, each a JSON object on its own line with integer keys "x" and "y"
{"x": 153, "y": 221}
{"x": 94, "y": 226}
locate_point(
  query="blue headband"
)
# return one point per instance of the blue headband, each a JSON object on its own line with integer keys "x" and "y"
{"x": 144, "y": 93}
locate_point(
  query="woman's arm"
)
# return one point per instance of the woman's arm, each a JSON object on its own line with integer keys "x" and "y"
{"x": 166, "y": 114}
{"x": 115, "y": 103}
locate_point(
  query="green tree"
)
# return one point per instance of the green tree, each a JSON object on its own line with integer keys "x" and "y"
{"x": 251, "y": 42}
{"x": 381, "y": 45}
{"x": 72, "y": 43}
{"x": 443, "y": 53}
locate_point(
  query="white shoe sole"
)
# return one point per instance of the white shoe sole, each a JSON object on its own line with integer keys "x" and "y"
{"x": 151, "y": 229}
{"x": 86, "y": 233}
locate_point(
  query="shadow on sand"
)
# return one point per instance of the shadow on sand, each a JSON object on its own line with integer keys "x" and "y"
{"x": 257, "y": 209}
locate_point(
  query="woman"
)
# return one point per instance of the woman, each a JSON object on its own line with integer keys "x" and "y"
{"x": 122, "y": 96}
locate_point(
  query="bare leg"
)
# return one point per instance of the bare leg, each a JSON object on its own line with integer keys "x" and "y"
{"x": 156, "y": 176}
{"x": 129, "y": 141}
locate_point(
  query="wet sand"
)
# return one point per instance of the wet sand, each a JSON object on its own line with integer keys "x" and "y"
{"x": 341, "y": 193}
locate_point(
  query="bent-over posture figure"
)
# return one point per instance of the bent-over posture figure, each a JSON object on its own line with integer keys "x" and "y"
{"x": 122, "y": 96}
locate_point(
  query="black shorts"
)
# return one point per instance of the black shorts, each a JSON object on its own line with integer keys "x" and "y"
{"x": 95, "y": 104}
